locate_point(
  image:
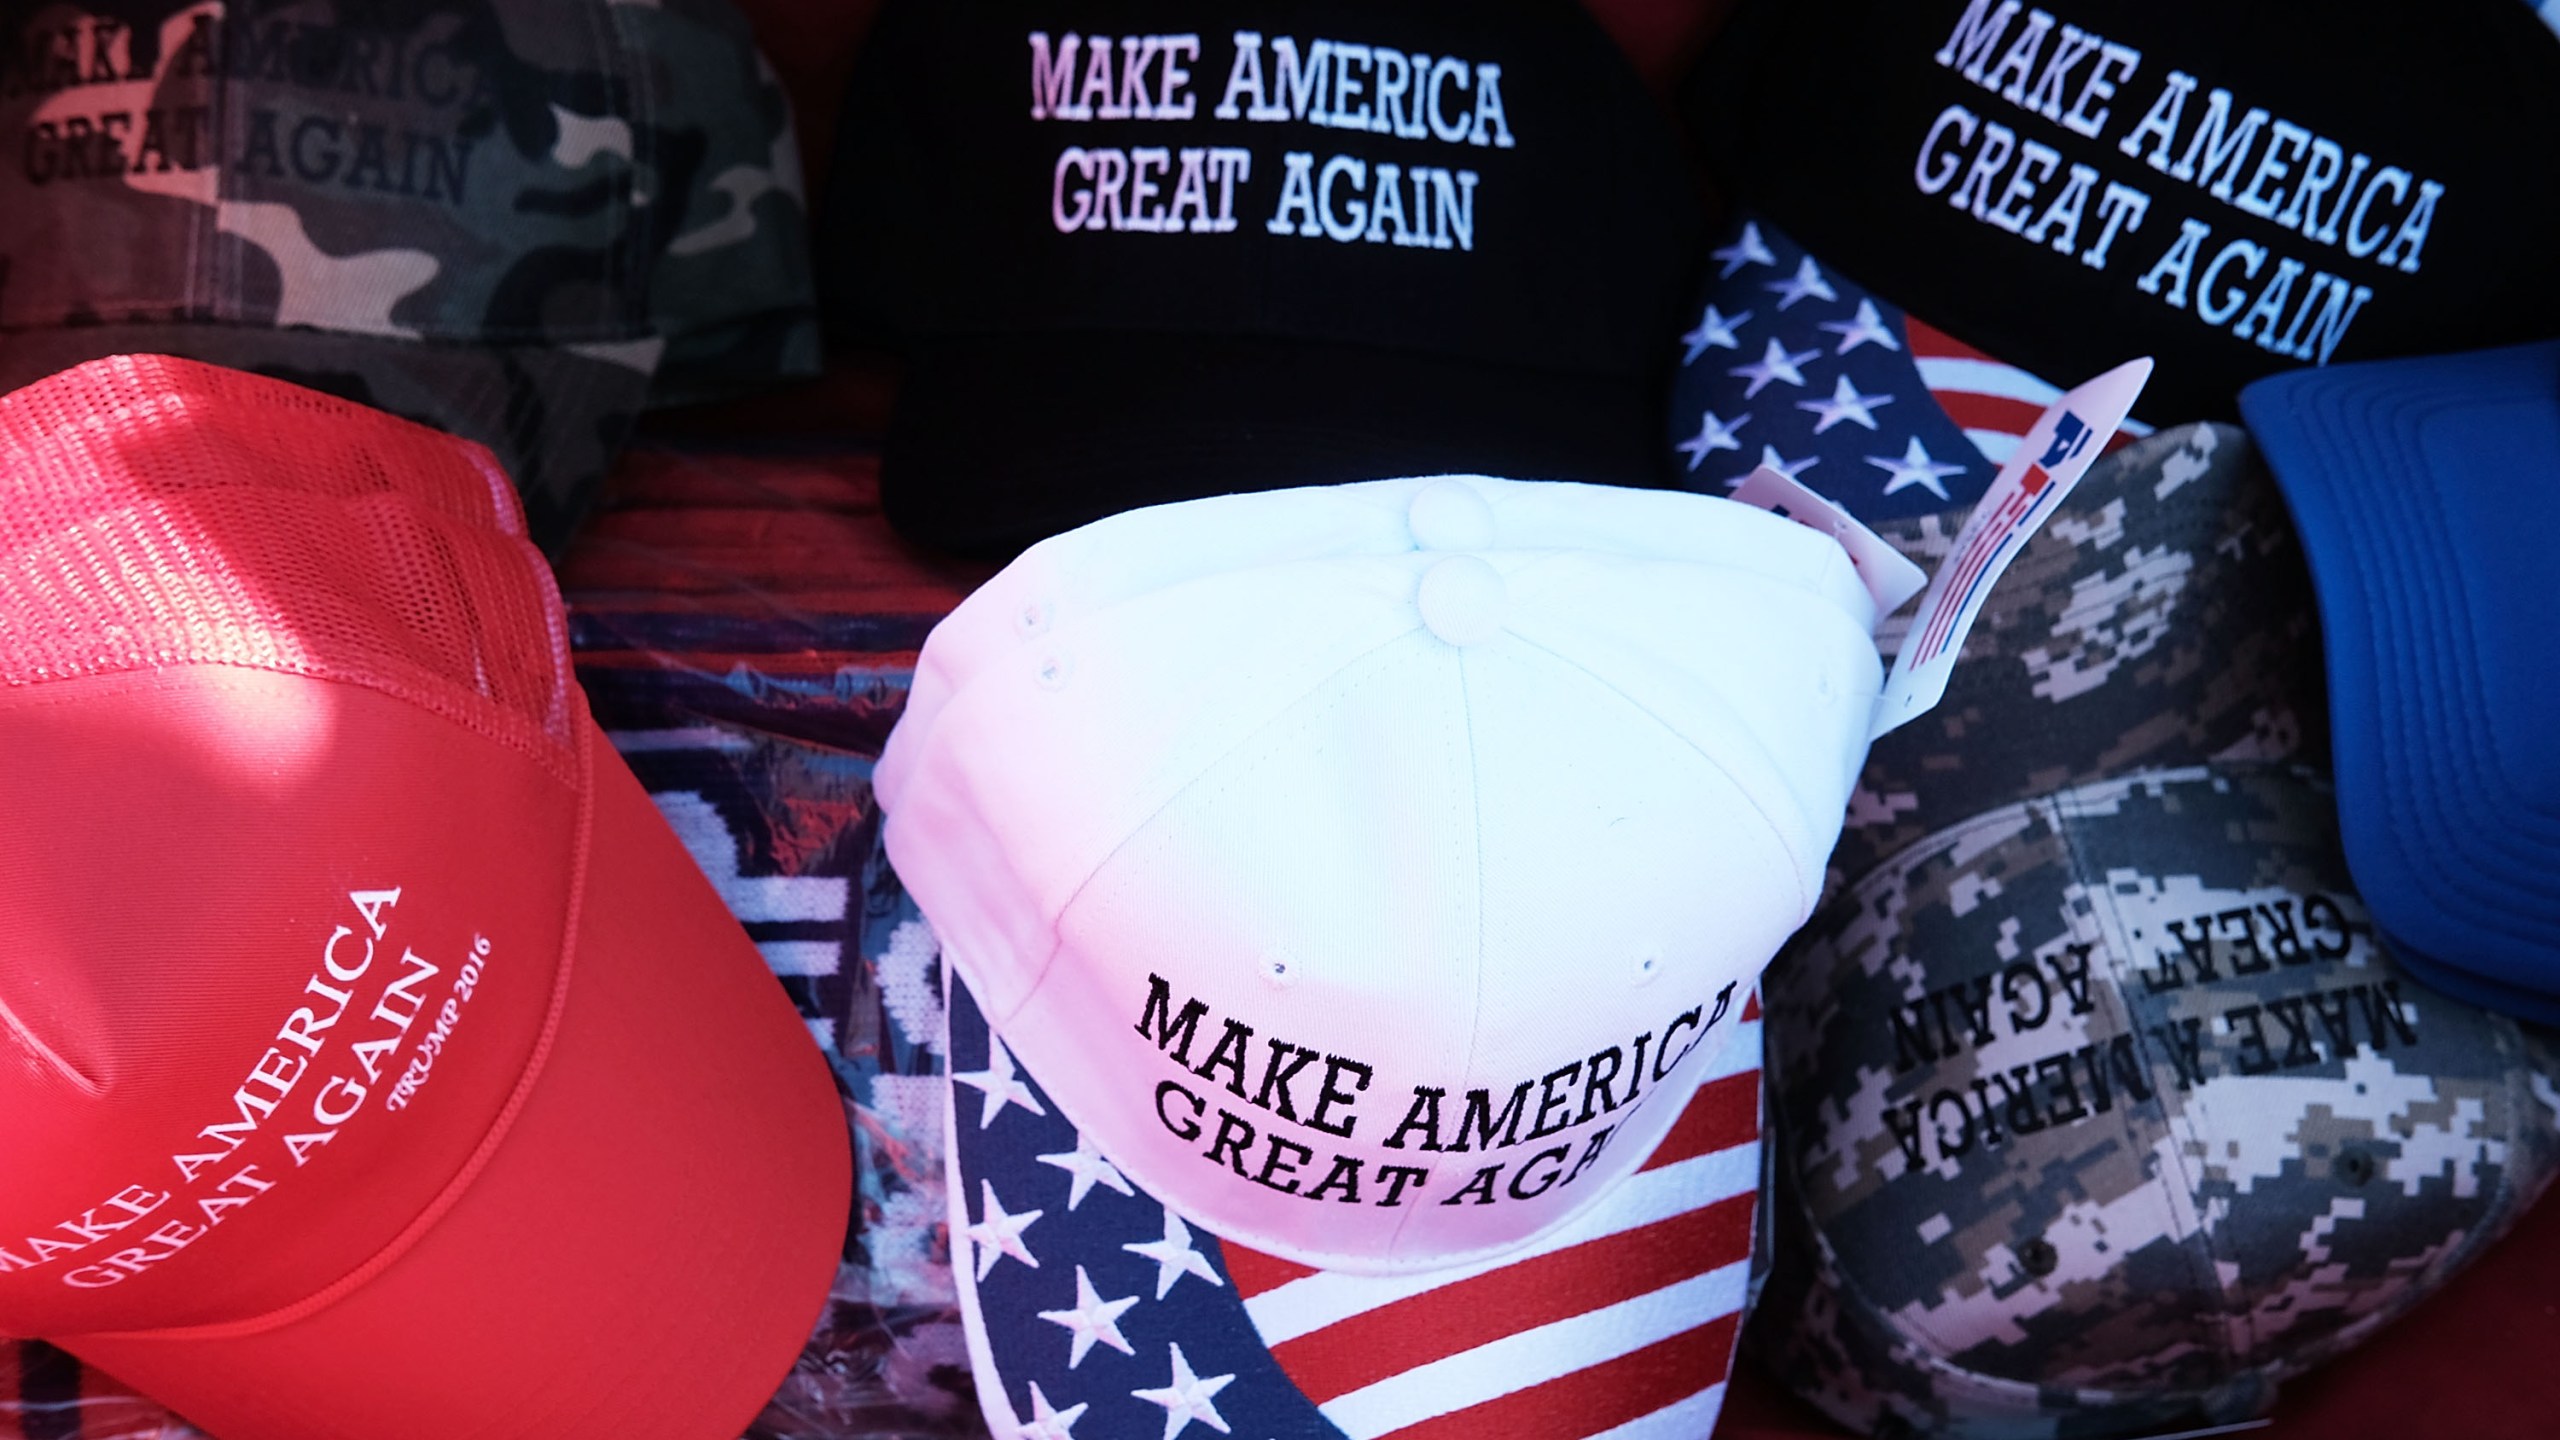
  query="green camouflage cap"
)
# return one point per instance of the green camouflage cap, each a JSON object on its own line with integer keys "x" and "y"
{"x": 2097, "y": 1109}
{"x": 2103, "y": 1114}
{"x": 454, "y": 210}
{"x": 732, "y": 292}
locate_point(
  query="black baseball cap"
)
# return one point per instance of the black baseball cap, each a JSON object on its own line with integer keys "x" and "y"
{"x": 1134, "y": 256}
{"x": 2233, "y": 189}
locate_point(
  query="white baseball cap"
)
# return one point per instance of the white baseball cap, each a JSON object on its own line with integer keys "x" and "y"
{"x": 1373, "y": 870}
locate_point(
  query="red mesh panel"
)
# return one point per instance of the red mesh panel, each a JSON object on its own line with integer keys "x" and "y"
{"x": 157, "y": 512}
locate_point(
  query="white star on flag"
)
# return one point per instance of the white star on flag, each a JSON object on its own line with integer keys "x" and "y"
{"x": 1774, "y": 364}
{"x": 1748, "y": 249}
{"x": 1046, "y": 1422}
{"x": 1916, "y": 467}
{"x": 1845, "y": 404}
{"x": 1867, "y": 327}
{"x": 1638, "y": 1339}
{"x": 1000, "y": 1083}
{"x": 1093, "y": 1319}
{"x": 1713, "y": 434}
{"x": 1807, "y": 281}
{"x": 1174, "y": 1256}
{"x": 1089, "y": 1168}
{"x": 1714, "y": 328}
{"x": 1188, "y": 1398}
{"x": 1000, "y": 1234}
{"x": 1770, "y": 457}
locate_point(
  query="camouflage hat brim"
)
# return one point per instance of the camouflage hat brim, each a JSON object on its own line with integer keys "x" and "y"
{"x": 737, "y": 357}
{"x": 2104, "y": 1113}
{"x": 554, "y": 417}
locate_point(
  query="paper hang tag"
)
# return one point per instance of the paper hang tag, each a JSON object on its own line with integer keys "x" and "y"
{"x": 1889, "y": 575}
{"x": 2056, "y": 452}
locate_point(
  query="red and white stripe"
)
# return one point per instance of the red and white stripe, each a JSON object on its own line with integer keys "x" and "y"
{"x": 1993, "y": 402}
{"x": 46, "y": 1392}
{"x": 1622, "y": 1326}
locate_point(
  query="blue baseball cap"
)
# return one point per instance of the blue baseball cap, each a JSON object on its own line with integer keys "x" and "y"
{"x": 2427, "y": 492}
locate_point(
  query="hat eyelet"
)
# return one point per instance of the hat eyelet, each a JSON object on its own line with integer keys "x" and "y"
{"x": 1275, "y": 969}
{"x": 2353, "y": 1166}
{"x": 1648, "y": 966}
{"x": 1034, "y": 618}
{"x": 2038, "y": 1257}
{"x": 1055, "y": 670}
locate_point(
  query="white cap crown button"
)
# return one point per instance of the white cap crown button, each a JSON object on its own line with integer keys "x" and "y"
{"x": 1461, "y": 599}
{"x": 1451, "y": 516}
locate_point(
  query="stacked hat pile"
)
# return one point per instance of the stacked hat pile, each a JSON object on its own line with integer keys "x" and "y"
{"x": 2104, "y": 1104}
{"x": 1337, "y": 1188}
{"x": 1361, "y": 687}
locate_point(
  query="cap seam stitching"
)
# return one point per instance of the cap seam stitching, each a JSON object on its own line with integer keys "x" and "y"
{"x": 1835, "y": 1275}
{"x": 1475, "y": 789}
{"x": 635, "y": 240}
{"x": 1178, "y": 792}
{"x": 2123, "y": 997}
{"x": 2199, "y": 1261}
{"x": 1805, "y": 901}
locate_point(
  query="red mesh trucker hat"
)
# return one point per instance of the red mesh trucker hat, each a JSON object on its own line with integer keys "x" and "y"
{"x": 373, "y": 1060}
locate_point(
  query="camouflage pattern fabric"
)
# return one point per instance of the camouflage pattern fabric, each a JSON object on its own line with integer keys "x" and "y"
{"x": 2163, "y": 617}
{"x": 451, "y": 209}
{"x": 2099, "y": 1111}
{"x": 732, "y": 290}
{"x": 2104, "y": 1113}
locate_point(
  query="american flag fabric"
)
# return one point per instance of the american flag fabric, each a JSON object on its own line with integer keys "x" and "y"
{"x": 1791, "y": 364}
{"x": 47, "y": 1395}
{"x": 745, "y": 628}
{"x": 1095, "y": 1313}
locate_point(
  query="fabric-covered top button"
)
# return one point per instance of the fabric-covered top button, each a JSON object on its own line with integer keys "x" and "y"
{"x": 1450, "y": 516}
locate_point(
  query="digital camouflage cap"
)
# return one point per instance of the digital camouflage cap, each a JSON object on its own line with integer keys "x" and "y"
{"x": 454, "y": 210}
{"x": 2099, "y": 1111}
{"x": 2163, "y": 617}
{"x": 2104, "y": 1113}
